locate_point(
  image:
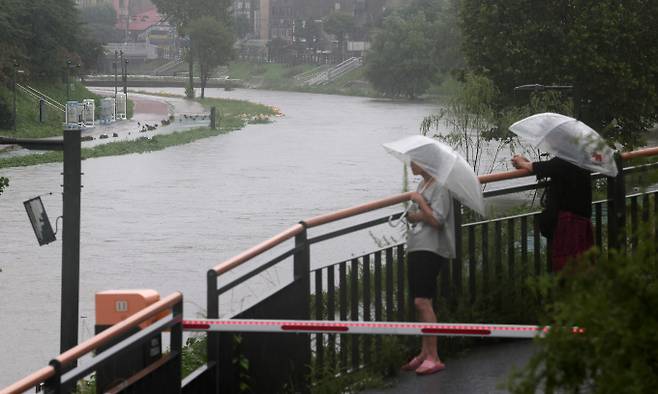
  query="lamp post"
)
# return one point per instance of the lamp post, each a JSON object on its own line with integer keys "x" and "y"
{"x": 125, "y": 78}
{"x": 70, "y": 145}
{"x": 69, "y": 66}
{"x": 115, "y": 65}
{"x": 15, "y": 81}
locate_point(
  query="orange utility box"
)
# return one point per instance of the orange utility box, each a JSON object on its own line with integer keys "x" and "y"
{"x": 112, "y": 306}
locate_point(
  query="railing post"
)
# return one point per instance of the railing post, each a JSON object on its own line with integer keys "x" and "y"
{"x": 176, "y": 346}
{"x": 212, "y": 304}
{"x": 457, "y": 261}
{"x": 617, "y": 207}
{"x": 54, "y": 384}
{"x": 301, "y": 273}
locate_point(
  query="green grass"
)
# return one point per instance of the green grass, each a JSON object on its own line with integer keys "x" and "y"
{"x": 27, "y": 109}
{"x": 234, "y": 114}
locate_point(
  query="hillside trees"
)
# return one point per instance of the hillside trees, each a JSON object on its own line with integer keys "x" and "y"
{"x": 41, "y": 34}
{"x": 414, "y": 47}
{"x": 606, "y": 50}
{"x": 212, "y": 44}
{"x": 185, "y": 14}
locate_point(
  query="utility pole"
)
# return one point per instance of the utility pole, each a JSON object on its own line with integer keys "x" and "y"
{"x": 71, "y": 226}
{"x": 15, "y": 82}
{"x": 66, "y": 80}
{"x": 115, "y": 65}
{"x": 125, "y": 79}
{"x": 71, "y": 239}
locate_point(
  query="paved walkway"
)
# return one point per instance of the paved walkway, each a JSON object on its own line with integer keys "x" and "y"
{"x": 480, "y": 371}
{"x": 148, "y": 111}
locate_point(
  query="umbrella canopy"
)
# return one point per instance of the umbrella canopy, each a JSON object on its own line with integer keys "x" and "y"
{"x": 446, "y": 166}
{"x": 569, "y": 139}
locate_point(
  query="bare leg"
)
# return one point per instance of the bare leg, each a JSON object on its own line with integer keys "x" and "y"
{"x": 426, "y": 315}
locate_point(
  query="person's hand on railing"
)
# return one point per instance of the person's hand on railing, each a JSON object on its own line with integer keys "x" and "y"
{"x": 520, "y": 162}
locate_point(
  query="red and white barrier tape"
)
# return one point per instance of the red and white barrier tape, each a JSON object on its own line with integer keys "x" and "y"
{"x": 373, "y": 328}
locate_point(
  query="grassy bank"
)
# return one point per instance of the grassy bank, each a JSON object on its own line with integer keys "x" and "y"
{"x": 27, "y": 109}
{"x": 234, "y": 114}
{"x": 276, "y": 76}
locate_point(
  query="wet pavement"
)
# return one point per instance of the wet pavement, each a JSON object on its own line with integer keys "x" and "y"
{"x": 483, "y": 369}
{"x": 147, "y": 121}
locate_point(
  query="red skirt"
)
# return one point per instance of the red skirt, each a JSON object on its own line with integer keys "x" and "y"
{"x": 573, "y": 236}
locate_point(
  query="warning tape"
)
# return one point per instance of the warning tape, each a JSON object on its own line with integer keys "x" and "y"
{"x": 369, "y": 328}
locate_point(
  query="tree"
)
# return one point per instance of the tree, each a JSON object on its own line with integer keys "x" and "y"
{"x": 340, "y": 24}
{"x": 41, "y": 34}
{"x": 183, "y": 12}
{"x": 100, "y": 21}
{"x": 414, "y": 47}
{"x": 605, "y": 49}
{"x": 212, "y": 44}
{"x": 399, "y": 62}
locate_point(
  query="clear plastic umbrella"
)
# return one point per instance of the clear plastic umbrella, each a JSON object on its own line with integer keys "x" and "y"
{"x": 568, "y": 139}
{"x": 448, "y": 168}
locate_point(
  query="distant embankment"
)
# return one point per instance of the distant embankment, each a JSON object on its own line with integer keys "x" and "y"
{"x": 145, "y": 81}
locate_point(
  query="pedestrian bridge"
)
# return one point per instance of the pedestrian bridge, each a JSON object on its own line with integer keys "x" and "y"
{"x": 300, "y": 334}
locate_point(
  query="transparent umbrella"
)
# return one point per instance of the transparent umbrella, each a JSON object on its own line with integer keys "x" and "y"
{"x": 448, "y": 168}
{"x": 568, "y": 139}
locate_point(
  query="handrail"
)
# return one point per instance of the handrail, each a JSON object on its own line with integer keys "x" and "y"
{"x": 640, "y": 153}
{"x": 377, "y": 204}
{"x": 30, "y": 381}
{"x": 92, "y": 343}
{"x": 258, "y": 249}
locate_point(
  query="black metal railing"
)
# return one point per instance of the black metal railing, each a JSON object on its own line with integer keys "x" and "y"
{"x": 119, "y": 356}
{"x": 373, "y": 286}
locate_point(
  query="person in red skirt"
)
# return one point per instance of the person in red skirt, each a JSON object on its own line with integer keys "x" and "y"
{"x": 566, "y": 219}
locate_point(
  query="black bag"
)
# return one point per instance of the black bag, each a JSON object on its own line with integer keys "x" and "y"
{"x": 548, "y": 216}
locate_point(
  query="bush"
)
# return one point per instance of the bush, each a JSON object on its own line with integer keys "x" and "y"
{"x": 614, "y": 298}
{"x": 6, "y": 115}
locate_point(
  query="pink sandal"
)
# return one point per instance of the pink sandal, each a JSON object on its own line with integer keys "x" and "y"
{"x": 429, "y": 367}
{"x": 413, "y": 364}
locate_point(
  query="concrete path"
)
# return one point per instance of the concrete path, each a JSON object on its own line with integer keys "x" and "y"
{"x": 148, "y": 111}
{"x": 480, "y": 371}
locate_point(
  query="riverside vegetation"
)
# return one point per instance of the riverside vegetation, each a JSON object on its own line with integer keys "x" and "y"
{"x": 234, "y": 115}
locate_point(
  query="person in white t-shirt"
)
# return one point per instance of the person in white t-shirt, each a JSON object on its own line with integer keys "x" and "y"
{"x": 430, "y": 243}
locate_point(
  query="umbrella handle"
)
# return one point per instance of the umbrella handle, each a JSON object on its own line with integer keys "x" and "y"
{"x": 404, "y": 214}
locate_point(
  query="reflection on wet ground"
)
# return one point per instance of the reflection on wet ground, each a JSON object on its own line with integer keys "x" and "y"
{"x": 483, "y": 369}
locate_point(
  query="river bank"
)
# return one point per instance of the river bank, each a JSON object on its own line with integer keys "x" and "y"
{"x": 158, "y": 124}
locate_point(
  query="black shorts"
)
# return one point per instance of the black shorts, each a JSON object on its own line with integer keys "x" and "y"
{"x": 423, "y": 271}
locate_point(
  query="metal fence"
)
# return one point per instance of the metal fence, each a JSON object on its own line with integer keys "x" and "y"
{"x": 373, "y": 286}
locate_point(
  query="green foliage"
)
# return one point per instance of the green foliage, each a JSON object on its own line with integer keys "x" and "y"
{"x": 413, "y": 49}
{"x": 605, "y": 49}
{"x": 184, "y": 12}
{"x": 194, "y": 354}
{"x": 614, "y": 298}
{"x": 27, "y": 109}
{"x": 41, "y": 34}
{"x": 100, "y": 21}
{"x": 232, "y": 119}
{"x": 4, "y": 182}
{"x": 212, "y": 44}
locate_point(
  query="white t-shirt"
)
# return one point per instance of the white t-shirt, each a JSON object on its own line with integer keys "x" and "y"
{"x": 422, "y": 236}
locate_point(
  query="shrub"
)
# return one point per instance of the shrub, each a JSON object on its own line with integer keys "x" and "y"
{"x": 614, "y": 298}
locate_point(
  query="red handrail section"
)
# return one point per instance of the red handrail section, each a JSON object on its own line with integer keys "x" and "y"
{"x": 378, "y": 204}
{"x": 93, "y": 343}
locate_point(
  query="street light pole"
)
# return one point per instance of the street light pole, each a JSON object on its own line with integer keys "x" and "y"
{"x": 68, "y": 86}
{"x": 71, "y": 239}
{"x": 15, "y": 81}
{"x": 116, "y": 65}
{"x": 125, "y": 78}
